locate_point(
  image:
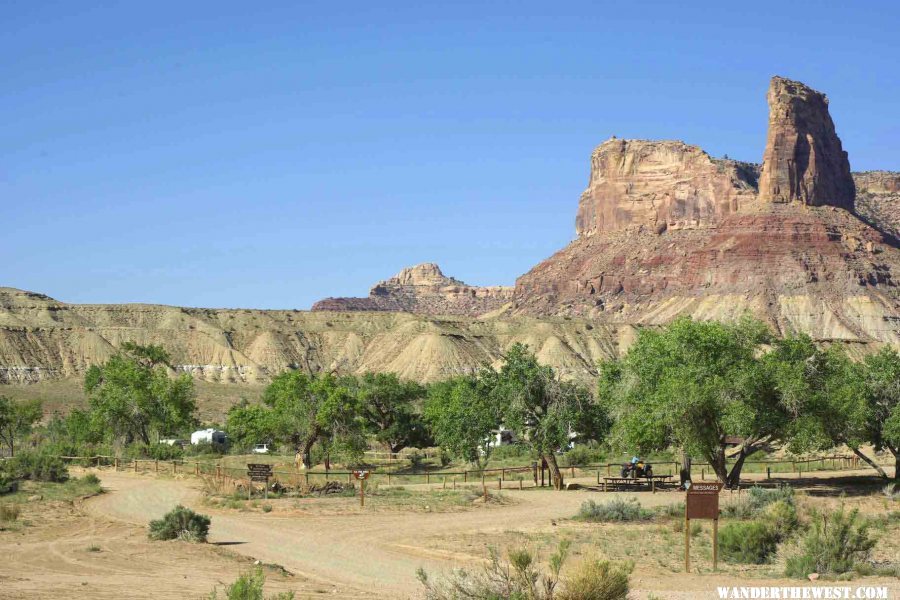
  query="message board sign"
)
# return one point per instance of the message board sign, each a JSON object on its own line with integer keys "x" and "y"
{"x": 703, "y": 500}
{"x": 361, "y": 474}
{"x": 259, "y": 472}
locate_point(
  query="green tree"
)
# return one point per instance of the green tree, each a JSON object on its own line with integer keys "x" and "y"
{"x": 16, "y": 420}
{"x": 544, "y": 411}
{"x": 694, "y": 383}
{"x": 462, "y": 413}
{"x": 316, "y": 408}
{"x": 250, "y": 424}
{"x": 133, "y": 396}
{"x": 392, "y": 410}
{"x": 882, "y": 377}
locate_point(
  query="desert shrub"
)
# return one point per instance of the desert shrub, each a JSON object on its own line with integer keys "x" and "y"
{"x": 751, "y": 542}
{"x": 759, "y": 498}
{"x": 756, "y": 501}
{"x": 8, "y": 484}
{"x": 519, "y": 578}
{"x": 511, "y": 451}
{"x": 892, "y": 491}
{"x": 416, "y": 460}
{"x": 38, "y": 466}
{"x": 596, "y": 580}
{"x": 836, "y": 543}
{"x": 91, "y": 478}
{"x": 163, "y": 451}
{"x": 180, "y": 523}
{"x": 203, "y": 448}
{"x": 676, "y": 509}
{"x": 9, "y": 512}
{"x": 616, "y": 510}
{"x": 249, "y": 586}
{"x": 582, "y": 455}
{"x": 782, "y": 517}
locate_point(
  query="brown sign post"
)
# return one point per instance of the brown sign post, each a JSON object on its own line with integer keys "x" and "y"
{"x": 702, "y": 502}
{"x": 361, "y": 476}
{"x": 258, "y": 472}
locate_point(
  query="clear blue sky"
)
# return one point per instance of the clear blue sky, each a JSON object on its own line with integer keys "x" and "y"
{"x": 268, "y": 154}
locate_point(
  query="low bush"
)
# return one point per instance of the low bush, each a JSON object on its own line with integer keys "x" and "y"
{"x": 836, "y": 543}
{"x": 180, "y": 523}
{"x": 676, "y": 510}
{"x": 751, "y": 542}
{"x": 756, "y": 500}
{"x": 90, "y": 479}
{"x": 519, "y": 578}
{"x": 249, "y": 586}
{"x": 8, "y": 484}
{"x": 615, "y": 510}
{"x": 9, "y": 512}
{"x": 38, "y": 466}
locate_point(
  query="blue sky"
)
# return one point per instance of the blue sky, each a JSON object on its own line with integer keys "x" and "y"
{"x": 225, "y": 155}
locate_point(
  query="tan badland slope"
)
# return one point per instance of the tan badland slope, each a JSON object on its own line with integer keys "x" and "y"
{"x": 41, "y": 339}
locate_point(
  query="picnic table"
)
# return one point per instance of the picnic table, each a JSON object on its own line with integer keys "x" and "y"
{"x": 635, "y": 481}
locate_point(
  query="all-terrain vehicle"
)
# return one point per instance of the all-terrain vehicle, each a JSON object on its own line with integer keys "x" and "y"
{"x": 636, "y": 469}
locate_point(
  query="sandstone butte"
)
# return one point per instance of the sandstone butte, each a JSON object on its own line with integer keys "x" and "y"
{"x": 662, "y": 230}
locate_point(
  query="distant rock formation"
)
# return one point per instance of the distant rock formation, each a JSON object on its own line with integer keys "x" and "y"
{"x": 666, "y": 231}
{"x": 423, "y": 289}
{"x": 660, "y": 185}
{"x": 804, "y": 160}
{"x": 878, "y": 199}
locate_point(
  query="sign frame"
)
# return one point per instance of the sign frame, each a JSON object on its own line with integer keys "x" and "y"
{"x": 701, "y": 502}
{"x": 258, "y": 472}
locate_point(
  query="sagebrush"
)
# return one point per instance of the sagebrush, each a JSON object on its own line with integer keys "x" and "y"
{"x": 180, "y": 523}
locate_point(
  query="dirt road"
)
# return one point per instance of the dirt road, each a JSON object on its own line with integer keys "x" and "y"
{"x": 360, "y": 555}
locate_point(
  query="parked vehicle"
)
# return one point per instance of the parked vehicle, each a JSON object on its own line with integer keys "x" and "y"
{"x": 637, "y": 468}
{"x": 212, "y": 436}
{"x": 260, "y": 449}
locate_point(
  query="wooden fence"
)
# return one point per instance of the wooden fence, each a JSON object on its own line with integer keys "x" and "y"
{"x": 515, "y": 476}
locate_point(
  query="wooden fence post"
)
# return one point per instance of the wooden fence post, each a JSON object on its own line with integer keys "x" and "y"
{"x": 156, "y": 465}
{"x": 117, "y": 464}
{"x": 135, "y": 465}
{"x": 174, "y": 467}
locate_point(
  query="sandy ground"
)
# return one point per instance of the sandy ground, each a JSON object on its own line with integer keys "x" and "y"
{"x": 346, "y": 553}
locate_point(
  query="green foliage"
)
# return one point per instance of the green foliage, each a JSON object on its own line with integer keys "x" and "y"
{"x": 520, "y": 579}
{"x": 615, "y": 510}
{"x": 249, "y": 586}
{"x": 392, "y": 410}
{"x": 132, "y": 395}
{"x": 250, "y": 424}
{"x": 757, "y": 500}
{"x": 582, "y": 455}
{"x": 752, "y": 542}
{"x": 836, "y": 543}
{"x": 882, "y": 376}
{"x": 37, "y": 466}
{"x": 180, "y": 523}
{"x": 461, "y": 413}
{"x": 693, "y": 383}
{"x": 542, "y": 409}
{"x": 319, "y": 408}
{"x": 16, "y": 420}
{"x": 8, "y": 484}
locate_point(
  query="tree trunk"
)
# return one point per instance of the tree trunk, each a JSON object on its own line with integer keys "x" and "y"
{"x": 870, "y": 462}
{"x": 306, "y": 453}
{"x": 685, "y": 473}
{"x": 717, "y": 462}
{"x": 896, "y": 453}
{"x": 555, "y": 473}
{"x": 734, "y": 478}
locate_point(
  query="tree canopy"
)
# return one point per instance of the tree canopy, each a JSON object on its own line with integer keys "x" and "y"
{"x": 16, "y": 420}
{"x": 462, "y": 414}
{"x": 392, "y": 410}
{"x": 133, "y": 396}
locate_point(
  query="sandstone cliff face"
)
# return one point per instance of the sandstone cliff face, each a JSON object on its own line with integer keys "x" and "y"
{"x": 660, "y": 185}
{"x": 804, "y": 161}
{"x": 423, "y": 289}
{"x": 878, "y": 199}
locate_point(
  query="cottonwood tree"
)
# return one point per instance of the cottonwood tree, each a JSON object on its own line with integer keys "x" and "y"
{"x": 16, "y": 420}
{"x": 392, "y": 410}
{"x": 882, "y": 378}
{"x": 541, "y": 409}
{"x": 693, "y": 384}
{"x": 310, "y": 409}
{"x": 250, "y": 424}
{"x": 132, "y": 395}
{"x": 462, "y": 413}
